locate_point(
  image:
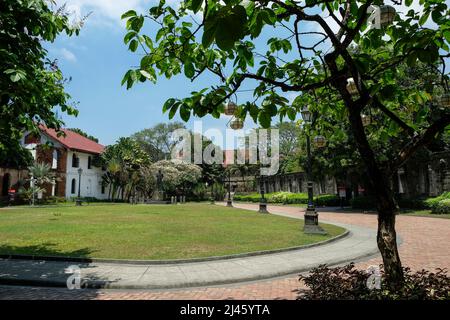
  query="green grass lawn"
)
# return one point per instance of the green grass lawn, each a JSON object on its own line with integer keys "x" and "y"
{"x": 425, "y": 213}
{"x": 124, "y": 231}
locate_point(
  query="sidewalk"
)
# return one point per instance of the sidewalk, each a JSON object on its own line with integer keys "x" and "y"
{"x": 359, "y": 244}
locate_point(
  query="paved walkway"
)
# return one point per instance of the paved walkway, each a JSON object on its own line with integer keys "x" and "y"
{"x": 425, "y": 245}
{"x": 360, "y": 243}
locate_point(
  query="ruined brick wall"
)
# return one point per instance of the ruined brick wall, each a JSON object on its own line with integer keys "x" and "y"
{"x": 45, "y": 154}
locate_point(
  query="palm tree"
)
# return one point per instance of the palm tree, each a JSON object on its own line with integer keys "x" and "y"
{"x": 40, "y": 173}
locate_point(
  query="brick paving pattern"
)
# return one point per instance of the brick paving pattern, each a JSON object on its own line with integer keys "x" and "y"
{"x": 424, "y": 246}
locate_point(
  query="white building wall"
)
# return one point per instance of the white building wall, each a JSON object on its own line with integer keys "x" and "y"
{"x": 90, "y": 178}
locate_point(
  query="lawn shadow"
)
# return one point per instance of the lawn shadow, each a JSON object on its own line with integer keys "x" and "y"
{"x": 36, "y": 266}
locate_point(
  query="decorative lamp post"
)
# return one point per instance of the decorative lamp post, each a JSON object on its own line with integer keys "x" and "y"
{"x": 230, "y": 108}
{"x": 366, "y": 120}
{"x": 387, "y": 15}
{"x": 311, "y": 225}
{"x": 78, "y": 201}
{"x": 211, "y": 198}
{"x": 229, "y": 202}
{"x": 306, "y": 114}
{"x": 351, "y": 87}
{"x": 444, "y": 100}
{"x": 320, "y": 141}
{"x": 236, "y": 124}
{"x": 262, "y": 201}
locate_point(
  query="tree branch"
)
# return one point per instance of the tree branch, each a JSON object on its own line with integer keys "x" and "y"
{"x": 419, "y": 141}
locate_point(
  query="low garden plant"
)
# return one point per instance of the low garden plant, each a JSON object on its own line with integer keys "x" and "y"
{"x": 284, "y": 197}
{"x": 349, "y": 283}
{"x": 437, "y": 205}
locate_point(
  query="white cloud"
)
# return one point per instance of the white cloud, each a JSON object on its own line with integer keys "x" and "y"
{"x": 67, "y": 55}
{"x": 104, "y": 12}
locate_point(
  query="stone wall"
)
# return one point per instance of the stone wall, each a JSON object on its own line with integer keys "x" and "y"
{"x": 297, "y": 182}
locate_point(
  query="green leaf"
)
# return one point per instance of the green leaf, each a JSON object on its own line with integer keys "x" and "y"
{"x": 208, "y": 33}
{"x": 133, "y": 45}
{"x": 129, "y": 36}
{"x": 196, "y": 5}
{"x": 424, "y": 18}
{"x": 264, "y": 119}
{"x": 185, "y": 113}
{"x": 168, "y": 104}
{"x": 130, "y": 13}
{"x": 189, "y": 69}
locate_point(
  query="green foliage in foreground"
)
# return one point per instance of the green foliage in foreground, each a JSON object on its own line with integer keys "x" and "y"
{"x": 349, "y": 283}
{"x": 283, "y": 197}
{"x": 437, "y": 205}
{"x": 147, "y": 231}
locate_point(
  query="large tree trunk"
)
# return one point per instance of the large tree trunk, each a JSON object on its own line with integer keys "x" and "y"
{"x": 386, "y": 205}
{"x": 379, "y": 179}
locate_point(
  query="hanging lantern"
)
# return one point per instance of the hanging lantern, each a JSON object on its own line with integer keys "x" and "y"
{"x": 320, "y": 141}
{"x": 230, "y": 108}
{"x": 366, "y": 120}
{"x": 444, "y": 100}
{"x": 236, "y": 124}
{"x": 306, "y": 114}
{"x": 351, "y": 87}
{"x": 387, "y": 15}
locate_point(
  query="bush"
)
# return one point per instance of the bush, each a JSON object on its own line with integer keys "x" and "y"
{"x": 219, "y": 191}
{"x": 54, "y": 200}
{"x": 198, "y": 193}
{"x": 328, "y": 200}
{"x": 363, "y": 202}
{"x": 284, "y": 197}
{"x": 440, "y": 204}
{"x": 348, "y": 283}
{"x": 441, "y": 207}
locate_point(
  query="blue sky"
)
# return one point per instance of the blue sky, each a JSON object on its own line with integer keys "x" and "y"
{"x": 97, "y": 60}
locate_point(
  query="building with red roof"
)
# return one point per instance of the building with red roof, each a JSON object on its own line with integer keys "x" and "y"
{"x": 72, "y": 158}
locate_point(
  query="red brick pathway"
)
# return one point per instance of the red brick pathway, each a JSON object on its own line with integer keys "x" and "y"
{"x": 425, "y": 246}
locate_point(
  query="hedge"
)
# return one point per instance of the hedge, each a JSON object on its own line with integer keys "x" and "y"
{"x": 438, "y": 205}
{"x": 289, "y": 198}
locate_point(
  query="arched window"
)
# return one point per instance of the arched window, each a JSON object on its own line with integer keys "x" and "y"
{"x": 75, "y": 161}
{"x": 73, "y": 186}
{"x": 55, "y": 159}
{"x": 89, "y": 162}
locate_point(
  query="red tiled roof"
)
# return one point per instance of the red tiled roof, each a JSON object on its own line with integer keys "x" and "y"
{"x": 74, "y": 141}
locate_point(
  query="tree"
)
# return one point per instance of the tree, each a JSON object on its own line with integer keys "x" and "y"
{"x": 31, "y": 85}
{"x": 156, "y": 141}
{"x": 317, "y": 65}
{"x": 178, "y": 176}
{"x": 122, "y": 160}
{"x": 40, "y": 174}
{"x": 84, "y": 134}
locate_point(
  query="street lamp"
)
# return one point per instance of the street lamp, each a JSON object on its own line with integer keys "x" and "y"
{"x": 351, "y": 87}
{"x": 212, "y": 192}
{"x": 444, "y": 100}
{"x": 306, "y": 114}
{"x": 229, "y": 202}
{"x": 262, "y": 201}
{"x": 78, "y": 201}
{"x": 311, "y": 225}
{"x": 230, "y": 108}
{"x": 387, "y": 15}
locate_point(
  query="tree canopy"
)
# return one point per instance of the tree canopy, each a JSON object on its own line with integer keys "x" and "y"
{"x": 31, "y": 86}
{"x": 319, "y": 64}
